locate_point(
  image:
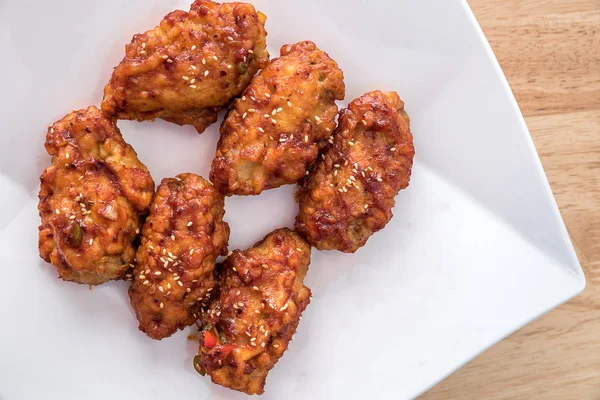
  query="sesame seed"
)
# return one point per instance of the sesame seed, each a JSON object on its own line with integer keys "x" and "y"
{"x": 352, "y": 177}
{"x": 282, "y": 140}
{"x": 240, "y": 304}
{"x": 142, "y": 276}
{"x": 253, "y": 98}
{"x": 191, "y": 252}
{"x": 91, "y": 241}
{"x": 364, "y": 122}
{"x": 161, "y": 289}
{"x": 243, "y": 98}
{"x": 143, "y": 52}
{"x": 345, "y": 190}
{"x": 215, "y": 58}
{"x": 253, "y": 344}
{"x": 330, "y": 140}
{"x": 265, "y": 266}
{"x": 190, "y": 223}
{"x": 192, "y": 86}
{"x": 179, "y": 282}
{"x": 193, "y": 47}
{"x": 244, "y": 115}
{"x": 244, "y": 58}
{"x": 284, "y": 307}
{"x": 172, "y": 237}
{"x": 188, "y": 290}
{"x": 234, "y": 269}
{"x": 194, "y": 67}
{"x": 262, "y": 344}
{"x": 289, "y": 103}
{"x": 261, "y": 130}
{"x": 323, "y": 156}
{"x": 393, "y": 149}
{"x": 336, "y": 165}
{"x": 251, "y": 110}
{"x": 366, "y": 206}
{"x": 306, "y": 138}
{"x": 209, "y": 289}
{"x": 268, "y": 95}
{"x": 218, "y": 313}
{"x": 292, "y": 136}
{"x": 165, "y": 57}
{"x": 169, "y": 61}
{"x": 193, "y": 80}
{"x": 161, "y": 305}
{"x": 166, "y": 263}
{"x": 379, "y": 179}
{"x": 168, "y": 285}
{"x": 185, "y": 78}
{"x": 157, "y": 273}
{"x": 307, "y": 172}
{"x": 203, "y": 61}
{"x": 273, "y": 120}
{"x": 255, "y": 287}
{"x": 146, "y": 282}
{"x": 82, "y": 205}
{"x": 279, "y": 109}
{"x": 335, "y": 172}
{"x": 369, "y": 169}
{"x": 274, "y": 111}
{"x": 229, "y": 37}
{"x": 276, "y": 346}
{"x": 300, "y": 318}
{"x": 238, "y": 292}
{"x": 51, "y": 130}
{"x": 137, "y": 231}
{"x": 257, "y": 311}
{"x": 176, "y": 278}
{"x": 206, "y": 73}
{"x": 252, "y": 339}
{"x": 363, "y": 174}
{"x": 67, "y": 155}
{"x": 267, "y": 115}
{"x": 143, "y": 45}
{"x": 317, "y": 118}
{"x": 72, "y": 217}
{"x": 351, "y": 143}
{"x": 228, "y": 66}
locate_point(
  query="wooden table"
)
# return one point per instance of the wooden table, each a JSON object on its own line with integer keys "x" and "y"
{"x": 550, "y": 53}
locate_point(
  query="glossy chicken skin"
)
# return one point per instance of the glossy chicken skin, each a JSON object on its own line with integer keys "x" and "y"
{"x": 350, "y": 193}
{"x": 190, "y": 66}
{"x": 249, "y": 325}
{"x": 92, "y": 199}
{"x": 182, "y": 237}
{"x": 276, "y": 129}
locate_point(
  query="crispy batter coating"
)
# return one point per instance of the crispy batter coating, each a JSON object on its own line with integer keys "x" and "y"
{"x": 276, "y": 129}
{"x": 249, "y": 325}
{"x": 181, "y": 239}
{"x": 190, "y": 66}
{"x": 350, "y": 194}
{"x": 92, "y": 199}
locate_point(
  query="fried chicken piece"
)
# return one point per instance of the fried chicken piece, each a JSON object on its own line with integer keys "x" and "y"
{"x": 92, "y": 199}
{"x": 249, "y": 325}
{"x": 190, "y": 66}
{"x": 350, "y": 194}
{"x": 182, "y": 237}
{"x": 276, "y": 129}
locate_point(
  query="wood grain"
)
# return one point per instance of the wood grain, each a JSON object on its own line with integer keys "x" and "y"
{"x": 550, "y": 53}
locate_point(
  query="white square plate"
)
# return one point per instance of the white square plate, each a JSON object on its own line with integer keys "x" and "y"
{"x": 476, "y": 249}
